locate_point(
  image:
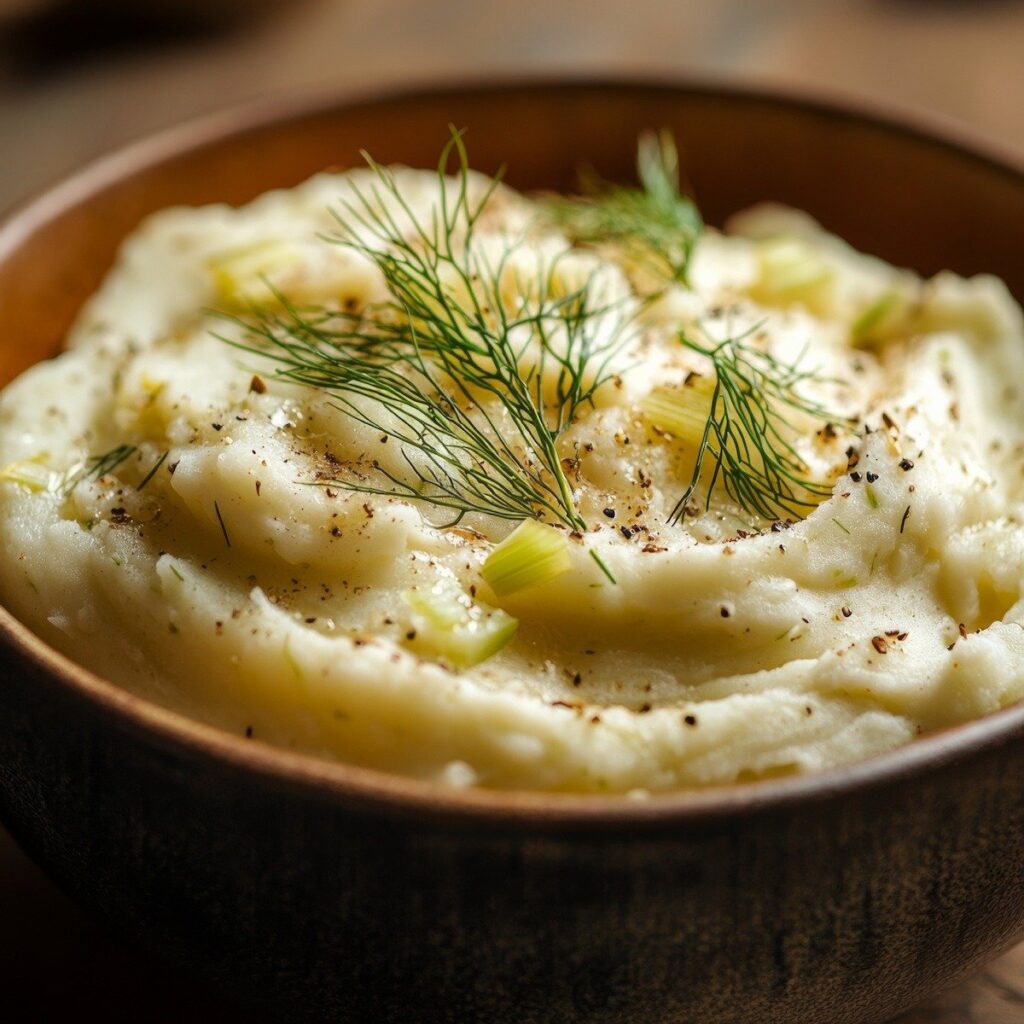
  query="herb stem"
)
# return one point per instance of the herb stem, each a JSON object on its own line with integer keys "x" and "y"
{"x": 152, "y": 473}
{"x": 223, "y": 528}
{"x": 747, "y": 436}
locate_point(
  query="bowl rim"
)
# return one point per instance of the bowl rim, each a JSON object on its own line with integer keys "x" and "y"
{"x": 395, "y": 795}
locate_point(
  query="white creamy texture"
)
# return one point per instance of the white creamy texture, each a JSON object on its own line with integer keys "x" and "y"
{"x": 727, "y": 650}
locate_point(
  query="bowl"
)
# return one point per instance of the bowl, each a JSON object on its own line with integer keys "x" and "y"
{"x": 330, "y": 892}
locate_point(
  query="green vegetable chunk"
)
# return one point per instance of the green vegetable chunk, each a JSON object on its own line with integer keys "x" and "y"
{"x": 532, "y": 554}
{"x": 449, "y": 623}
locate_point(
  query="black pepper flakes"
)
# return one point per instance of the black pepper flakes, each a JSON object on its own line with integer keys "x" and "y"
{"x": 906, "y": 465}
{"x": 690, "y": 719}
{"x": 609, "y": 512}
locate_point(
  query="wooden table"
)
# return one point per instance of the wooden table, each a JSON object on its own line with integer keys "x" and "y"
{"x": 70, "y": 93}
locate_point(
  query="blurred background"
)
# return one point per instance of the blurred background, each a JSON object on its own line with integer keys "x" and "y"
{"x": 78, "y": 77}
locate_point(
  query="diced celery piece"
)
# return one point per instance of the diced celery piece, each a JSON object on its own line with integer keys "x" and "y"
{"x": 866, "y": 327}
{"x": 681, "y": 412}
{"x": 789, "y": 270}
{"x": 241, "y": 274}
{"x": 449, "y": 623}
{"x": 532, "y": 554}
{"x": 31, "y": 474}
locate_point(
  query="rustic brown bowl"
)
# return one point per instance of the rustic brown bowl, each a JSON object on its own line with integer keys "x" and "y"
{"x": 332, "y": 892}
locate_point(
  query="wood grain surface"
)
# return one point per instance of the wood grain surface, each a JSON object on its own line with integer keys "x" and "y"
{"x": 57, "y": 960}
{"x": 73, "y": 87}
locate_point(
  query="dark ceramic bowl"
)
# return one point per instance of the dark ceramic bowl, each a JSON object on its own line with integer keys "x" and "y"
{"x": 332, "y": 892}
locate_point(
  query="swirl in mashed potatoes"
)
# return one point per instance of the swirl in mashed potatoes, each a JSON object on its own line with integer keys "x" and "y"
{"x": 210, "y": 564}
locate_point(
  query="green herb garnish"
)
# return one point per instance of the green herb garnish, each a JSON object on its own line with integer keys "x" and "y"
{"x": 423, "y": 368}
{"x": 152, "y": 473}
{"x": 656, "y": 226}
{"x": 476, "y": 395}
{"x": 747, "y": 440}
{"x": 96, "y": 466}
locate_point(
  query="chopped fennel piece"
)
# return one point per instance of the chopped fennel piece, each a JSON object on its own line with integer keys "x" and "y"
{"x": 449, "y": 623}
{"x": 870, "y": 326}
{"x": 31, "y": 474}
{"x": 532, "y": 554}
{"x": 240, "y": 273}
{"x": 789, "y": 270}
{"x": 682, "y": 412}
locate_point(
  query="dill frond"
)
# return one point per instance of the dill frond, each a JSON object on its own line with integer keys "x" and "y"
{"x": 746, "y": 446}
{"x": 475, "y": 389}
{"x": 153, "y": 471}
{"x": 96, "y": 466}
{"x": 475, "y": 394}
{"x": 655, "y": 225}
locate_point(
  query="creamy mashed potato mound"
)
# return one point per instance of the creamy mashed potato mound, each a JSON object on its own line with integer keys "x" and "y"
{"x": 216, "y": 568}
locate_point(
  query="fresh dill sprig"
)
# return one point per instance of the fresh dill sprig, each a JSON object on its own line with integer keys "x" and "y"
{"x": 96, "y": 466}
{"x": 656, "y": 225}
{"x": 475, "y": 394}
{"x": 746, "y": 445}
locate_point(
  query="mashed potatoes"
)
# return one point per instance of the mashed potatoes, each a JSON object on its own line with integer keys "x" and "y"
{"x": 178, "y": 516}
